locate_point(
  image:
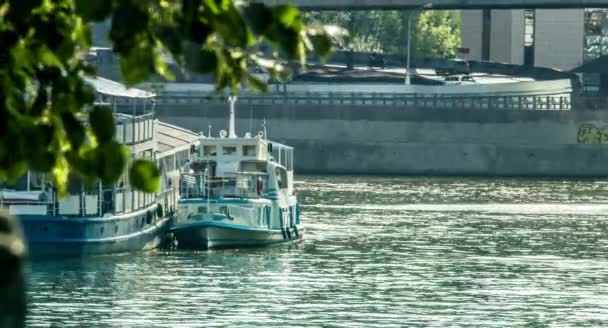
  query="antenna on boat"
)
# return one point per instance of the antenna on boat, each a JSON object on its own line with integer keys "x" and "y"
{"x": 209, "y": 135}
{"x": 250, "y": 119}
{"x": 264, "y": 126}
{"x": 231, "y": 128}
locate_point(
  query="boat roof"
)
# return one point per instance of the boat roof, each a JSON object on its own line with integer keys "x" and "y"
{"x": 171, "y": 138}
{"x": 242, "y": 141}
{"x": 113, "y": 88}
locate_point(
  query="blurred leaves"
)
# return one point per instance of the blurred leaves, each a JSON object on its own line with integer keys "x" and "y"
{"x": 13, "y": 255}
{"x": 144, "y": 176}
{"x": 102, "y": 123}
{"x": 435, "y": 33}
{"x": 48, "y": 120}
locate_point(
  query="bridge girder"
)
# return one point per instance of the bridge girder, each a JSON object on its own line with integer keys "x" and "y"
{"x": 439, "y": 4}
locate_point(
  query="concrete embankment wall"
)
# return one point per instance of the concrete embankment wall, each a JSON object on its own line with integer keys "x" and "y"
{"x": 380, "y": 140}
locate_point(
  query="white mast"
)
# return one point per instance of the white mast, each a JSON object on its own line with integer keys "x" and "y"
{"x": 231, "y": 124}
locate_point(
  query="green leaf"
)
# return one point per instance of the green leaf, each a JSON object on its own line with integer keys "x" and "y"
{"x": 48, "y": 58}
{"x": 111, "y": 160}
{"x": 93, "y": 10}
{"x": 85, "y": 162}
{"x": 60, "y": 175}
{"x": 15, "y": 171}
{"x": 217, "y": 6}
{"x": 321, "y": 43}
{"x": 129, "y": 23}
{"x": 37, "y": 147}
{"x": 200, "y": 60}
{"x": 40, "y": 103}
{"x": 162, "y": 68}
{"x": 84, "y": 93}
{"x": 256, "y": 83}
{"x": 145, "y": 176}
{"x": 288, "y": 15}
{"x": 287, "y": 39}
{"x": 73, "y": 129}
{"x": 258, "y": 16}
{"x": 102, "y": 123}
{"x": 170, "y": 38}
{"x": 190, "y": 23}
{"x": 42, "y": 160}
{"x": 24, "y": 8}
{"x": 230, "y": 25}
{"x": 12, "y": 156}
{"x": 135, "y": 68}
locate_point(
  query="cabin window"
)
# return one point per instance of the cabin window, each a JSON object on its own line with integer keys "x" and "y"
{"x": 74, "y": 185}
{"x": 202, "y": 210}
{"x": 253, "y": 167}
{"x": 249, "y": 151}
{"x": 281, "y": 177}
{"x": 209, "y": 151}
{"x": 229, "y": 150}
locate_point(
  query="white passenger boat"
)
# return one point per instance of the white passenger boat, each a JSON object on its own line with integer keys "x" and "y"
{"x": 237, "y": 192}
{"x": 106, "y": 218}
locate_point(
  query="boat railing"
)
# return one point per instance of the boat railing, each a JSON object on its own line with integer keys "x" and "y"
{"x": 167, "y": 200}
{"x": 18, "y": 202}
{"x": 90, "y": 203}
{"x": 232, "y": 185}
{"x": 134, "y": 129}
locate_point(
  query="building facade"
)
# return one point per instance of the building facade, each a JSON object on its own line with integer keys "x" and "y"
{"x": 548, "y": 38}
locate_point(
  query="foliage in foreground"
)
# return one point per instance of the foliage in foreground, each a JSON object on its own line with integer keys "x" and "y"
{"x": 12, "y": 281}
{"x": 47, "y": 121}
{"x": 435, "y": 33}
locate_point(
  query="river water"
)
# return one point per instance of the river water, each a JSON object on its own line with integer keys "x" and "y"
{"x": 378, "y": 252}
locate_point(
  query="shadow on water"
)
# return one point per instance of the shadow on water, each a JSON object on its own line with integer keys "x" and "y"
{"x": 378, "y": 252}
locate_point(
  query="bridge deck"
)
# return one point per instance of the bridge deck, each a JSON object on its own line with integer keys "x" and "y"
{"x": 438, "y": 4}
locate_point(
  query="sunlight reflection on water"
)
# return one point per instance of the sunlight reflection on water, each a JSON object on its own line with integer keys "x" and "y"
{"x": 378, "y": 252}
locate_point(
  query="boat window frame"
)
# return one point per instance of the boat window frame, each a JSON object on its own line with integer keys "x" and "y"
{"x": 212, "y": 150}
{"x": 247, "y": 153}
{"x": 282, "y": 177}
{"x": 229, "y": 147}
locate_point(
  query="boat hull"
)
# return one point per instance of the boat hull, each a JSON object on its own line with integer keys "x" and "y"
{"x": 50, "y": 236}
{"x": 213, "y": 235}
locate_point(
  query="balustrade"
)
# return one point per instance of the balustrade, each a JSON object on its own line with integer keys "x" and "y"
{"x": 419, "y": 101}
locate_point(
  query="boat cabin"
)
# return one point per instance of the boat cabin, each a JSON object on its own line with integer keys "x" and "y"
{"x": 247, "y": 167}
{"x": 169, "y": 146}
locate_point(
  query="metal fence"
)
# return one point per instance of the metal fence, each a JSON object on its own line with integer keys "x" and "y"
{"x": 552, "y": 102}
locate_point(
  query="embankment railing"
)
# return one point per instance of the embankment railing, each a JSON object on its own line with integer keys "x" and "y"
{"x": 509, "y": 102}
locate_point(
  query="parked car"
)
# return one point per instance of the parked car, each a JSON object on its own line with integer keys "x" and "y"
{"x": 460, "y": 79}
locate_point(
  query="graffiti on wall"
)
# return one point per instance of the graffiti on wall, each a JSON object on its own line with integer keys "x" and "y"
{"x": 590, "y": 134}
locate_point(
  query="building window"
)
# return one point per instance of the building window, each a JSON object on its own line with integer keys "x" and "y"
{"x": 529, "y": 36}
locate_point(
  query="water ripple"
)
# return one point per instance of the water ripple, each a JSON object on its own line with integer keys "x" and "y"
{"x": 378, "y": 252}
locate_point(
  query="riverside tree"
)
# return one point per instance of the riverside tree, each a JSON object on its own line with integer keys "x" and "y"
{"x": 48, "y": 122}
{"x": 435, "y": 33}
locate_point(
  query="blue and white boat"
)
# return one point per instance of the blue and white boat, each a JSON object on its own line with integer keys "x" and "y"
{"x": 238, "y": 192}
{"x": 106, "y": 218}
